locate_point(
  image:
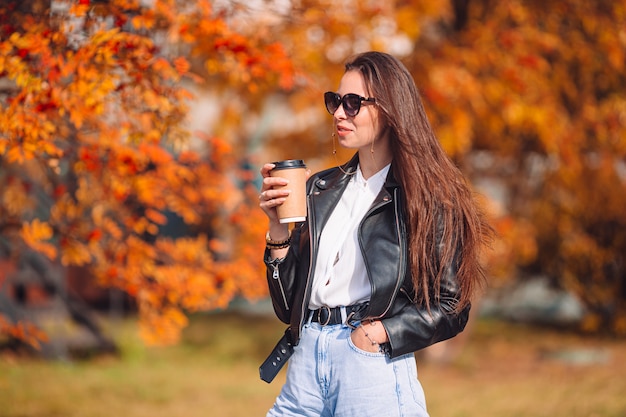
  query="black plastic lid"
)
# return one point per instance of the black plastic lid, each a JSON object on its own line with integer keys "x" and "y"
{"x": 289, "y": 163}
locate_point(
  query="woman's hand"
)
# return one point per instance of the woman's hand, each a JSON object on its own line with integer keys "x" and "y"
{"x": 270, "y": 199}
{"x": 369, "y": 335}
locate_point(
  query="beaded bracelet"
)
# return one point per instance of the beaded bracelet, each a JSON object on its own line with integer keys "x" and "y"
{"x": 277, "y": 244}
{"x": 372, "y": 341}
{"x": 383, "y": 348}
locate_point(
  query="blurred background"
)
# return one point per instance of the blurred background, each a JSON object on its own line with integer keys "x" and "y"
{"x": 131, "y": 137}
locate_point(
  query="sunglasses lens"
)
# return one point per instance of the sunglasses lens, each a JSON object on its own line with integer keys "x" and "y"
{"x": 351, "y": 104}
{"x": 332, "y": 102}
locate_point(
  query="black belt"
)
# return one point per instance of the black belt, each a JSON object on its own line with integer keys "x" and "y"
{"x": 328, "y": 316}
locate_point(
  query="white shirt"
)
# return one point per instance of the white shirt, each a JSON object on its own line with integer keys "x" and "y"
{"x": 340, "y": 278}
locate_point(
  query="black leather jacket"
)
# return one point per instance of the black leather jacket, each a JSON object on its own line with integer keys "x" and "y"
{"x": 383, "y": 241}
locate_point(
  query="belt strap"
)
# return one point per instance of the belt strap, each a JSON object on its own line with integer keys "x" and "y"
{"x": 277, "y": 359}
{"x": 330, "y": 316}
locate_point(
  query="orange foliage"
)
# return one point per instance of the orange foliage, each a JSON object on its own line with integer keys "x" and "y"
{"x": 24, "y": 331}
{"x": 540, "y": 89}
{"x": 96, "y": 111}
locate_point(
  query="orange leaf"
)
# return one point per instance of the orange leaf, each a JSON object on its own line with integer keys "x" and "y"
{"x": 156, "y": 216}
{"x": 157, "y": 154}
{"x": 75, "y": 253}
{"x": 35, "y": 233}
{"x": 181, "y": 65}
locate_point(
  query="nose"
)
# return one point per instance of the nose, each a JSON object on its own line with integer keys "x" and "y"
{"x": 340, "y": 113}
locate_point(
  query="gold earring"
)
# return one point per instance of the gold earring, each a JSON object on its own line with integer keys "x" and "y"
{"x": 336, "y": 160}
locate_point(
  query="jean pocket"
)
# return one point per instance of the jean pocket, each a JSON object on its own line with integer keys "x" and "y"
{"x": 362, "y": 352}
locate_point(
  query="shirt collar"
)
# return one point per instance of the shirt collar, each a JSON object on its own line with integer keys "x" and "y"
{"x": 375, "y": 182}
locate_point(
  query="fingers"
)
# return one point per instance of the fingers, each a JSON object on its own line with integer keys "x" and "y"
{"x": 273, "y": 192}
{"x": 269, "y": 201}
{"x": 265, "y": 170}
{"x": 272, "y": 198}
{"x": 271, "y": 184}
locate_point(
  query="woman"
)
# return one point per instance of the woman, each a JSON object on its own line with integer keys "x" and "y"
{"x": 386, "y": 262}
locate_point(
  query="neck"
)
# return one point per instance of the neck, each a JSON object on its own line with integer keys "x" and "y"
{"x": 372, "y": 162}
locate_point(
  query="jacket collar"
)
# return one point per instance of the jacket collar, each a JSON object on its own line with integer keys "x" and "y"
{"x": 328, "y": 185}
{"x": 335, "y": 177}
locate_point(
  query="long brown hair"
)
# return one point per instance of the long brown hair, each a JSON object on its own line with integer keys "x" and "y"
{"x": 446, "y": 230}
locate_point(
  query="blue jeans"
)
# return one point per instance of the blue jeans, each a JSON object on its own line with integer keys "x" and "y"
{"x": 328, "y": 376}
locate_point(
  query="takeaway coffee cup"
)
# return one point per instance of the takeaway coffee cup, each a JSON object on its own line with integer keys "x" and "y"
{"x": 294, "y": 208}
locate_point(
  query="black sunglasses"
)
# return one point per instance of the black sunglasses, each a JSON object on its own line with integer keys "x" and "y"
{"x": 351, "y": 102}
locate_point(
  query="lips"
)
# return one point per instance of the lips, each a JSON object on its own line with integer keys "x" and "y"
{"x": 342, "y": 130}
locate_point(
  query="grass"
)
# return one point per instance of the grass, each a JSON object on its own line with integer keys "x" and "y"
{"x": 502, "y": 370}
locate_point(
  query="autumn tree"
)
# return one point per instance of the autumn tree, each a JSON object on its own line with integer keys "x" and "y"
{"x": 96, "y": 156}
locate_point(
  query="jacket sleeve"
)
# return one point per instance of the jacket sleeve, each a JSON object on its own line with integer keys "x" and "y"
{"x": 281, "y": 278}
{"x": 414, "y": 327}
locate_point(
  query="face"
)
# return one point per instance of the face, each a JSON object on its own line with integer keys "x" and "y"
{"x": 359, "y": 131}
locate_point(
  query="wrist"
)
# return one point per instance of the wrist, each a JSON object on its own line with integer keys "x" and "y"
{"x": 278, "y": 232}
{"x": 272, "y": 243}
{"x": 376, "y": 330}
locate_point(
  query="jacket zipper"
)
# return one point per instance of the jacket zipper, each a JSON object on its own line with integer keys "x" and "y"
{"x": 276, "y": 275}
